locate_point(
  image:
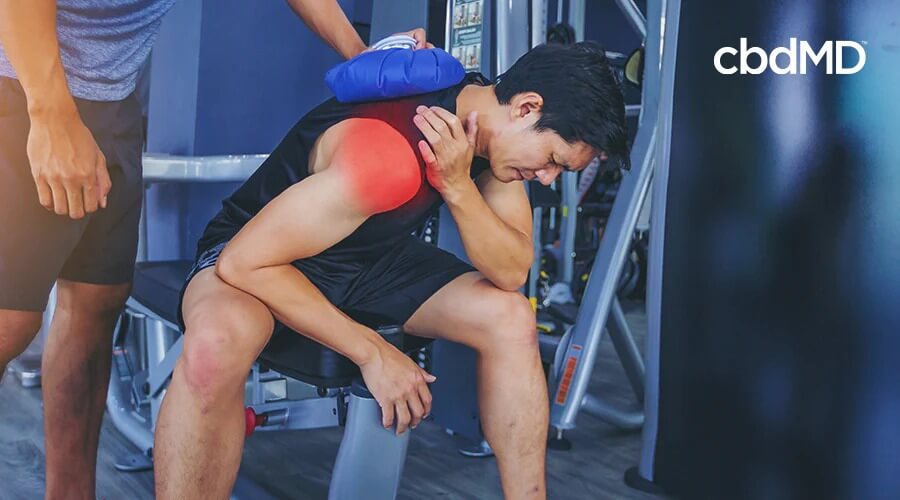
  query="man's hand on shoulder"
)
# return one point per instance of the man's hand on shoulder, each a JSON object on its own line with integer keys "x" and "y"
{"x": 448, "y": 149}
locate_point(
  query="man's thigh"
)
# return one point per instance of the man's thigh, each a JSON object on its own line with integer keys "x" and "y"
{"x": 34, "y": 242}
{"x": 462, "y": 311}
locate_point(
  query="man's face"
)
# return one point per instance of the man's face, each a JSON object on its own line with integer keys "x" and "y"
{"x": 519, "y": 152}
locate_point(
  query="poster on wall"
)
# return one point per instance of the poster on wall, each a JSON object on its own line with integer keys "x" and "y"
{"x": 467, "y": 31}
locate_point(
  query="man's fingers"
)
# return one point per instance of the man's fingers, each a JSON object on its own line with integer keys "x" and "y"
{"x": 416, "y": 409}
{"x": 427, "y": 376}
{"x": 60, "y": 203}
{"x": 91, "y": 193}
{"x": 431, "y": 135}
{"x": 425, "y": 397}
{"x": 429, "y": 45}
{"x": 91, "y": 201}
{"x": 76, "y": 200}
{"x": 104, "y": 183}
{"x": 452, "y": 121}
{"x": 472, "y": 127}
{"x": 427, "y": 154}
{"x": 402, "y": 412}
{"x": 387, "y": 415}
{"x": 45, "y": 194}
{"x": 437, "y": 122}
{"x": 419, "y": 35}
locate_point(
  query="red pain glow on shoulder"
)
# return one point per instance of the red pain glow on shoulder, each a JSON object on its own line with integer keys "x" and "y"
{"x": 379, "y": 165}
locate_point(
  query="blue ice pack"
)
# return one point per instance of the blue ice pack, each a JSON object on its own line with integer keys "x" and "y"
{"x": 393, "y": 73}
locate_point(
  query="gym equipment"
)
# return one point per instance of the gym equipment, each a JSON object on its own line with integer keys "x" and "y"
{"x": 394, "y": 72}
{"x": 296, "y": 384}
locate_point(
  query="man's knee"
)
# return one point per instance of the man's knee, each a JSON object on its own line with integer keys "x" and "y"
{"x": 512, "y": 321}
{"x": 95, "y": 301}
{"x": 216, "y": 358}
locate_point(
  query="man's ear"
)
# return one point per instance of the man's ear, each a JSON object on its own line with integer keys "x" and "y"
{"x": 525, "y": 104}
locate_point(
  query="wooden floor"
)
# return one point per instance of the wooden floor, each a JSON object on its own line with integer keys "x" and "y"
{"x": 297, "y": 464}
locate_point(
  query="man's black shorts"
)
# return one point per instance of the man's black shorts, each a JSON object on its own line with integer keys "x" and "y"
{"x": 38, "y": 246}
{"x": 376, "y": 289}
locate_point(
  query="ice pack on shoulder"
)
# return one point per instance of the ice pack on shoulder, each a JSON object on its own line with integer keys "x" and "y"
{"x": 392, "y": 73}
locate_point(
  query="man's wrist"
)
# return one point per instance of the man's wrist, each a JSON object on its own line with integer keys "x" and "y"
{"x": 352, "y": 46}
{"x": 367, "y": 349}
{"x": 53, "y": 98}
{"x": 454, "y": 193}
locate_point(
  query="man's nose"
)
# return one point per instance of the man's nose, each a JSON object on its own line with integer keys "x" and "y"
{"x": 546, "y": 177}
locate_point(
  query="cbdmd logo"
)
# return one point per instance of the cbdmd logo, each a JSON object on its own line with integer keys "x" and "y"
{"x": 831, "y": 54}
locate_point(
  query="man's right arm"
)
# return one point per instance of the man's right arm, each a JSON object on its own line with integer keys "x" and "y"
{"x": 69, "y": 169}
{"x": 372, "y": 171}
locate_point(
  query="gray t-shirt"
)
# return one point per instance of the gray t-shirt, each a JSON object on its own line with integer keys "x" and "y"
{"x": 103, "y": 44}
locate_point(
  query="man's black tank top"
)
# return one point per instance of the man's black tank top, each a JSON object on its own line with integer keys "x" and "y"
{"x": 288, "y": 165}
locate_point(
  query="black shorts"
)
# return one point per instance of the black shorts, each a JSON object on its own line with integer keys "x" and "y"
{"x": 37, "y": 246}
{"x": 374, "y": 288}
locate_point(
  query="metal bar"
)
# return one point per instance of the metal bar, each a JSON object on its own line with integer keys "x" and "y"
{"x": 627, "y": 420}
{"x": 538, "y": 22}
{"x": 534, "y": 274}
{"x": 511, "y": 17}
{"x": 670, "y": 14}
{"x": 160, "y": 373}
{"x": 570, "y": 389}
{"x": 124, "y": 418}
{"x": 313, "y": 413}
{"x": 634, "y": 16}
{"x": 627, "y": 349}
{"x": 588, "y": 330}
{"x": 569, "y": 226}
{"x": 576, "y": 18}
{"x": 632, "y": 110}
{"x": 370, "y": 459}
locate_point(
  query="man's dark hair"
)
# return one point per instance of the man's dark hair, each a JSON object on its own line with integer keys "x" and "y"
{"x": 582, "y": 99}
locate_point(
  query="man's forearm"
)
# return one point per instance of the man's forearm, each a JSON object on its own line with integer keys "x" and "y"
{"x": 327, "y": 20}
{"x": 297, "y": 303}
{"x": 28, "y": 33}
{"x": 498, "y": 250}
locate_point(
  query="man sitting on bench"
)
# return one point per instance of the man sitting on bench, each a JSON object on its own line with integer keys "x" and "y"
{"x": 320, "y": 233}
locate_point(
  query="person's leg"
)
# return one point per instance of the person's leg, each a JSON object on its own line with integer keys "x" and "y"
{"x": 34, "y": 242}
{"x": 92, "y": 288}
{"x": 75, "y": 376}
{"x": 17, "y": 330}
{"x": 200, "y": 432}
{"x": 512, "y": 389}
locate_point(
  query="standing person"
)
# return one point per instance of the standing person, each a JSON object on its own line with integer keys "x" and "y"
{"x": 70, "y": 196}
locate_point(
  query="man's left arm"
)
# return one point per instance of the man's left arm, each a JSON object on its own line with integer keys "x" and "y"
{"x": 327, "y": 20}
{"x": 494, "y": 218}
{"x": 494, "y": 221}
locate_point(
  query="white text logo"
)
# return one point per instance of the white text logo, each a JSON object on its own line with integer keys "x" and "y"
{"x": 788, "y": 60}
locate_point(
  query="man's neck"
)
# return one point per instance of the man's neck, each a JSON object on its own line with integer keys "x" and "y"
{"x": 483, "y": 100}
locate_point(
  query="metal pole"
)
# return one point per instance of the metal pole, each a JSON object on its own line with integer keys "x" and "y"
{"x": 634, "y": 16}
{"x": 669, "y": 13}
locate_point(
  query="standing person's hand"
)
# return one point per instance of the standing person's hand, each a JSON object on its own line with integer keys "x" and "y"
{"x": 68, "y": 167}
{"x": 418, "y": 34}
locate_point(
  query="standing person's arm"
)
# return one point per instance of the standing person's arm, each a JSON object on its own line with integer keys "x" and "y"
{"x": 327, "y": 20}
{"x": 68, "y": 168}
